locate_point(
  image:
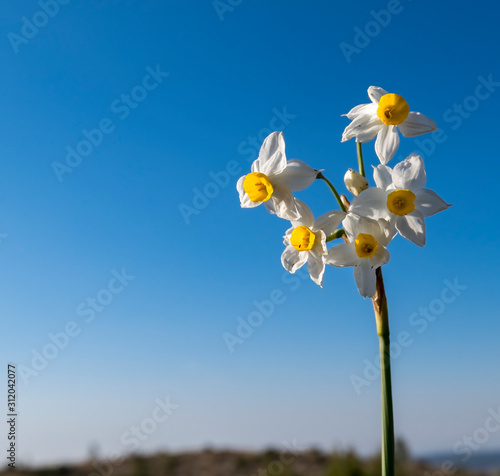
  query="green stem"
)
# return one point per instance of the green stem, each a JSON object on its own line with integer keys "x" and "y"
{"x": 361, "y": 164}
{"x": 336, "y": 234}
{"x": 382, "y": 321}
{"x": 334, "y": 191}
{"x": 387, "y": 415}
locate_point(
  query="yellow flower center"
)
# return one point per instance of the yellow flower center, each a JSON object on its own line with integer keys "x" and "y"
{"x": 302, "y": 238}
{"x": 258, "y": 187}
{"x": 401, "y": 202}
{"x": 365, "y": 245}
{"x": 392, "y": 109}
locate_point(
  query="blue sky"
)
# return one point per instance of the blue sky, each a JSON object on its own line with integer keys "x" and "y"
{"x": 71, "y": 226}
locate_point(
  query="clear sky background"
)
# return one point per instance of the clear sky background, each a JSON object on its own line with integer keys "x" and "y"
{"x": 236, "y": 73}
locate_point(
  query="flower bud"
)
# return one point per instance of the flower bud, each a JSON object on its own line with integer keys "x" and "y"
{"x": 355, "y": 182}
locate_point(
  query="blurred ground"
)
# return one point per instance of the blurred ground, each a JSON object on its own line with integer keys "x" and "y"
{"x": 268, "y": 463}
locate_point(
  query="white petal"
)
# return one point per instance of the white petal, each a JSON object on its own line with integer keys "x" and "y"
{"x": 286, "y": 238}
{"x": 429, "y": 202}
{"x": 283, "y": 203}
{"x": 270, "y": 206}
{"x": 365, "y": 278}
{"x": 382, "y": 174}
{"x": 380, "y": 257}
{"x": 387, "y": 143}
{"x": 350, "y": 223}
{"x": 316, "y": 268}
{"x": 416, "y": 124}
{"x": 342, "y": 255}
{"x": 292, "y": 259}
{"x": 361, "y": 109}
{"x": 364, "y": 126}
{"x": 306, "y": 217}
{"x": 272, "y": 158}
{"x": 373, "y": 227}
{"x": 388, "y": 230}
{"x": 412, "y": 227}
{"x": 371, "y": 202}
{"x": 410, "y": 173}
{"x": 297, "y": 175}
{"x": 375, "y": 93}
{"x": 319, "y": 247}
{"x": 244, "y": 200}
{"x": 329, "y": 222}
{"x": 370, "y": 131}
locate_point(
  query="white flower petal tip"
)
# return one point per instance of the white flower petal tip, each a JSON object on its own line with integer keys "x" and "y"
{"x": 382, "y": 174}
{"x": 305, "y": 218}
{"x": 430, "y": 203}
{"x": 410, "y": 173}
{"x": 417, "y": 124}
{"x": 365, "y": 123}
{"x": 375, "y": 93}
{"x": 316, "y": 268}
{"x": 272, "y": 158}
{"x": 387, "y": 143}
{"x": 412, "y": 227}
{"x": 366, "y": 280}
{"x": 297, "y": 175}
{"x": 292, "y": 260}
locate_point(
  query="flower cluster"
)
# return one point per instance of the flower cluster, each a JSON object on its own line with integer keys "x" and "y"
{"x": 398, "y": 204}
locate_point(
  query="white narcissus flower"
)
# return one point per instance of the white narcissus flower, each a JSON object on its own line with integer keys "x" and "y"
{"x": 306, "y": 241}
{"x": 273, "y": 179}
{"x": 401, "y": 198}
{"x": 366, "y": 250}
{"x": 384, "y": 116}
